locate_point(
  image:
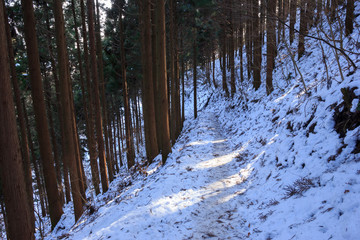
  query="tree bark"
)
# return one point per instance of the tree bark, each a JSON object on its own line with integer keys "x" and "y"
{"x": 270, "y": 46}
{"x": 293, "y": 6}
{"x": 109, "y": 159}
{"x": 241, "y": 44}
{"x": 98, "y": 119}
{"x": 302, "y": 32}
{"x": 34, "y": 163}
{"x": 195, "y": 72}
{"x": 257, "y": 47}
{"x": 90, "y": 122}
{"x": 82, "y": 86}
{"x": 119, "y": 135}
{"x": 231, "y": 50}
{"x": 151, "y": 143}
{"x": 162, "y": 80}
{"x": 20, "y": 111}
{"x": 129, "y": 136}
{"x": 59, "y": 108}
{"x": 182, "y": 85}
{"x": 19, "y": 216}
{"x": 223, "y": 51}
{"x": 69, "y": 145}
{"x": 42, "y": 128}
{"x": 349, "y": 20}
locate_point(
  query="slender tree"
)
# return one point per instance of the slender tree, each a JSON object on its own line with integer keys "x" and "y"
{"x": 195, "y": 72}
{"x": 270, "y": 45}
{"x": 231, "y": 49}
{"x": 90, "y": 119}
{"x": 151, "y": 143}
{"x": 293, "y": 5}
{"x": 303, "y": 27}
{"x": 19, "y": 216}
{"x": 223, "y": 67}
{"x": 257, "y": 45}
{"x": 98, "y": 119}
{"x": 69, "y": 144}
{"x": 20, "y": 111}
{"x": 162, "y": 92}
{"x": 349, "y": 20}
{"x": 109, "y": 159}
{"x": 129, "y": 134}
{"x": 42, "y": 129}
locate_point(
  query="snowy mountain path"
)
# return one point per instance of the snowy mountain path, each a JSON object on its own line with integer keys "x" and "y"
{"x": 214, "y": 214}
{"x": 191, "y": 197}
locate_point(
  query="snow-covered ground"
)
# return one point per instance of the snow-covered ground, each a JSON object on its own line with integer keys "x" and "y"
{"x": 255, "y": 166}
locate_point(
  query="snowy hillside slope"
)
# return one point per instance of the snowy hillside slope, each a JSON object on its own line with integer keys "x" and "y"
{"x": 251, "y": 167}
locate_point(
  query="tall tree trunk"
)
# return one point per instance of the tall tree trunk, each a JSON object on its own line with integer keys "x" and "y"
{"x": 82, "y": 85}
{"x": 270, "y": 46}
{"x": 130, "y": 149}
{"x": 69, "y": 146}
{"x": 195, "y": 72}
{"x": 42, "y": 128}
{"x": 249, "y": 37}
{"x": 155, "y": 74}
{"x": 279, "y": 19}
{"x": 140, "y": 116}
{"x": 302, "y": 32}
{"x": 293, "y": 6}
{"x": 333, "y": 7}
{"x": 213, "y": 68}
{"x": 177, "y": 73}
{"x": 172, "y": 71}
{"x": 349, "y": 25}
{"x": 109, "y": 160}
{"x": 182, "y": 85}
{"x": 119, "y": 133}
{"x": 98, "y": 119}
{"x": 241, "y": 45}
{"x": 34, "y": 163}
{"x": 319, "y": 9}
{"x": 115, "y": 132}
{"x": 310, "y": 13}
{"x": 20, "y": 111}
{"x": 135, "y": 129}
{"x": 224, "y": 80}
{"x": 59, "y": 107}
{"x": 122, "y": 132}
{"x": 19, "y": 216}
{"x": 90, "y": 122}
{"x": 111, "y": 142}
{"x": 231, "y": 50}
{"x": 151, "y": 143}
{"x": 162, "y": 80}
{"x": 48, "y": 95}
{"x": 257, "y": 47}
{"x": 80, "y": 67}
{"x": 137, "y": 114}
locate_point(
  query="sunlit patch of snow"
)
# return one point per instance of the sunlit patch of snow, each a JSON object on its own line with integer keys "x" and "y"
{"x": 196, "y": 143}
{"x": 216, "y": 162}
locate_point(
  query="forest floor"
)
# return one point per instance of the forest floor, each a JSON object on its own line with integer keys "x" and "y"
{"x": 283, "y": 166}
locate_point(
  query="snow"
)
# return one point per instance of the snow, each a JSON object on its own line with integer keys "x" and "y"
{"x": 255, "y": 166}
{"x": 354, "y": 105}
